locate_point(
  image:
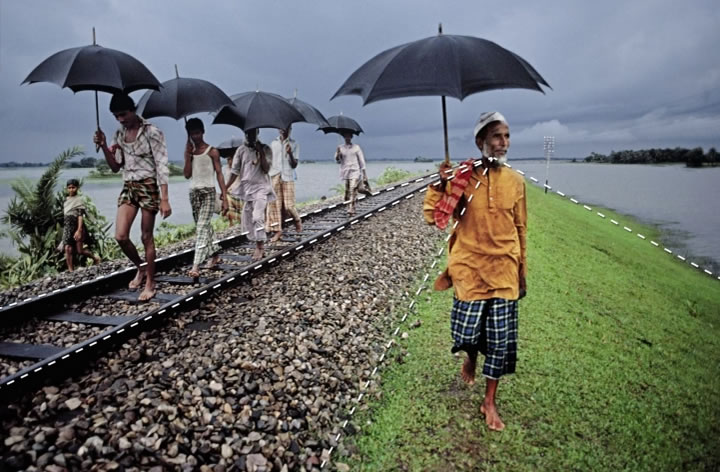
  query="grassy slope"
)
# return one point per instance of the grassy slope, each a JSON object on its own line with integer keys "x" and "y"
{"x": 618, "y": 364}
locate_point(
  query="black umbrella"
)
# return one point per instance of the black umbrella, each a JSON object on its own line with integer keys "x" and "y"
{"x": 258, "y": 110}
{"x": 181, "y": 97}
{"x": 341, "y": 123}
{"x": 310, "y": 113}
{"x": 445, "y": 65}
{"x": 94, "y": 68}
{"x": 228, "y": 147}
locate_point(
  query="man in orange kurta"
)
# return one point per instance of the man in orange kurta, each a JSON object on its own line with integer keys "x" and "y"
{"x": 487, "y": 256}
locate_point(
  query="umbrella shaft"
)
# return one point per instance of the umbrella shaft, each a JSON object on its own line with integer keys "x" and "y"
{"x": 97, "y": 112}
{"x": 447, "y": 149}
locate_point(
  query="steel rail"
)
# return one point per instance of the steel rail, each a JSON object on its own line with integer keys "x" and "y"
{"x": 75, "y": 358}
{"x": 22, "y": 310}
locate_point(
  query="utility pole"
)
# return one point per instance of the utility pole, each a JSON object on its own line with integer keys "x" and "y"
{"x": 549, "y": 147}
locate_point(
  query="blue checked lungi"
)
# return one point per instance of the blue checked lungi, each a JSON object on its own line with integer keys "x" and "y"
{"x": 489, "y": 326}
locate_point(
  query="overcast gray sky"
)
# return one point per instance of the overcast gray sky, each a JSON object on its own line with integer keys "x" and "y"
{"x": 625, "y": 74}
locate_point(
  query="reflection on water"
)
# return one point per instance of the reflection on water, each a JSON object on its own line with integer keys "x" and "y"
{"x": 678, "y": 199}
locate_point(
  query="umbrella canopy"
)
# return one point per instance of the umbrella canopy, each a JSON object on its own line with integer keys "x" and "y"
{"x": 444, "y": 65}
{"x": 181, "y": 97}
{"x": 94, "y": 68}
{"x": 228, "y": 147}
{"x": 341, "y": 123}
{"x": 258, "y": 110}
{"x": 310, "y": 113}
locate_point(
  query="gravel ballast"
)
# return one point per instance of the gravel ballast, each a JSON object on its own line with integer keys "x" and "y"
{"x": 259, "y": 377}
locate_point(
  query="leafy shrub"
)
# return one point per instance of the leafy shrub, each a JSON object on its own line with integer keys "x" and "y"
{"x": 35, "y": 217}
{"x": 392, "y": 175}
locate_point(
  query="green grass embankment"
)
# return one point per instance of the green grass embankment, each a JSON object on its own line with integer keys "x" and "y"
{"x": 618, "y": 364}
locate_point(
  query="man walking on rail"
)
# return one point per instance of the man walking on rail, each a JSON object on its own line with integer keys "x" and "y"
{"x": 486, "y": 257}
{"x": 285, "y": 156}
{"x": 139, "y": 149}
{"x": 202, "y": 167}
{"x": 251, "y": 164}
{"x": 352, "y": 168}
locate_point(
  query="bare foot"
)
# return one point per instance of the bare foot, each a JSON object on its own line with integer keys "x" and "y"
{"x": 147, "y": 293}
{"x": 258, "y": 254}
{"x": 194, "y": 272}
{"x": 97, "y": 260}
{"x": 298, "y": 226}
{"x": 138, "y": 280}
{"x": 492, "y": 418}
{"x": 467, "y": 371}
{"x": 276, "y": 237}
{"x": 214, "y": 262}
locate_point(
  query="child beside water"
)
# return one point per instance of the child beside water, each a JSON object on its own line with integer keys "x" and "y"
{"x": 74, "y": 232}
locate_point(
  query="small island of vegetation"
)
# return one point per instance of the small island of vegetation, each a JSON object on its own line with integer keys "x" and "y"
{"x": 691, "y": 157}
{"x": 102, "y": 171}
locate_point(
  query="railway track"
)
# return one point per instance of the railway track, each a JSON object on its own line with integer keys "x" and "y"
{"x": 121, "y": 318}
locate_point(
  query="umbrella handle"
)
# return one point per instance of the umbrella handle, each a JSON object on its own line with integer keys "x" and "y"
{"x": 97, "y": 114}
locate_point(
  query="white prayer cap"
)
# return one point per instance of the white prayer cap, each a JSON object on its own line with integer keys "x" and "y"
{"x": 487, "y": 118}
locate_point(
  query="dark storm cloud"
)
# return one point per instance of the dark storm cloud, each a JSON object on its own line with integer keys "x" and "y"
{"x": 624, "y": 74}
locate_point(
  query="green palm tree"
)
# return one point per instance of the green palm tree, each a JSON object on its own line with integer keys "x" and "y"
{"x": 34, "y": 218}
{"x": 36, "y": 210}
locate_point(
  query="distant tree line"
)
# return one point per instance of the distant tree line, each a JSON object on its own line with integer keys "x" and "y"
{"x": 84, "y": 162}
{"x": 23, "y": 164}
{"x": 691, "y": 157}
{"x": 102, "y": 170}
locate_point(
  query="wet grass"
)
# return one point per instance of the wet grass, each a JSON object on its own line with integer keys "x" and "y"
{"x": 618, "y": 364}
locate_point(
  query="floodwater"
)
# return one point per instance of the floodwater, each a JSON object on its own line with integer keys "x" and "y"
{"x": 677, "y": 199}
{"x": 315, "y": 180}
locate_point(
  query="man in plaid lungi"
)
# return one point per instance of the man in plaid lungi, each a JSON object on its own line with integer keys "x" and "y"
{"x": 487, "y": 257}
{"x": 285, "y": 156}
{"x": 202, "y": 167}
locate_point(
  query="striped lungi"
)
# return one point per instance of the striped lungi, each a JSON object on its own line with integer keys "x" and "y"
{"x": 285, "y": 192}
{"x": 235, "y": 206}
{"x": 489, "y": 326}
{"x": 202, "y": 202}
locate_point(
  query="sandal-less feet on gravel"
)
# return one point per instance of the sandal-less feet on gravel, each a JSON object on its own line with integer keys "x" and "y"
{"x": 214, "y": 262}
{"x": 138, "y": 280}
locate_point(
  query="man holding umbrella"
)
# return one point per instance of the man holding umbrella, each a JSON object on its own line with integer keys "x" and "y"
{"x": 352, "y": 167}
{"x": 139, "y": 149}
{"x": 486, "y": 258}
{"x": 251, "y": 164}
